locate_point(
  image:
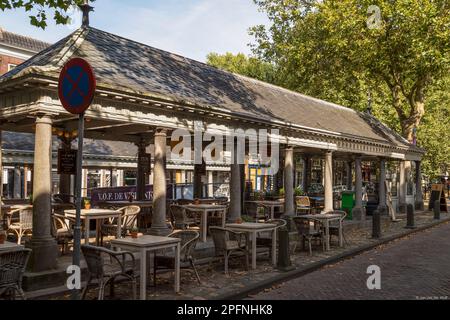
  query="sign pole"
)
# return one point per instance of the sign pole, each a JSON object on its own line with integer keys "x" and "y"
{"x": 77, "y": 228}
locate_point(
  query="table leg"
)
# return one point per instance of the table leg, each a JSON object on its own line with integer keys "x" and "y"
{"x": 86, "y": 230}
{"x": 204, "y": 225}
{"x": 98, "y": 222}
{"x": 224, "y": 218}
{"x": 341, "y": 234}
{"x": 274, "y": 247}
{"x": 143, "y": 286}
{"x": 272, "y": 212}
{"x": 253, "y": 250}
{"x": 177, "y": 268}
{"x": 119, "y": 226}
{"x": 327, "y": 235}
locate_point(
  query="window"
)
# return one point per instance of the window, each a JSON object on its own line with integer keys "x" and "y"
{"x": 11, "y": 66}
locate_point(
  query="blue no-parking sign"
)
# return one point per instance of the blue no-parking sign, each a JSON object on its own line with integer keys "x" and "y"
{"x": 76, "y": 86}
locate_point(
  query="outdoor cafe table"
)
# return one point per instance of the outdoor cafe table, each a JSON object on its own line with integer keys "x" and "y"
{"x": 98, "y": 215}
{"x": 205, "y": 209}
{"x": 253, "y": 229}
{"x": 326, "y": 218}
{"x": 10, "y": 247}
{"x": 146, "y": 244}
{"x": 271, "y": 205}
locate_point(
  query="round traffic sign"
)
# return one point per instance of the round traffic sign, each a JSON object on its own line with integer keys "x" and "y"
{"x": 76, "y": 86}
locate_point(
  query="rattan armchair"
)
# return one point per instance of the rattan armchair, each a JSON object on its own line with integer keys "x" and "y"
{"x": 303, "y": 205}
{"x": 20, "y": 222}
{"x": 266, "y": 242}
{"x": 128, "y": 222}
{"x": 12, "y": 268}
{"x": 189, "y": 239}
{"x": 228, "y": 243}
{"x": 106, "y": 266}
{"x": 62, "y": 231}
{"x": 180, "y": 219}
{"x": 335, "y": 225}
{"x": 307, "y": 233}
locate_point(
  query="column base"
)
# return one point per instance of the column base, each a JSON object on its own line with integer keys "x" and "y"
{"x": 420, "y": 206}
{"x": 383, "y": 210}
{"x": 402, "y": 207}
{"x": 43, "y": 256}
{"x": 159, "y": 231}
{"x": 359, "y": 214}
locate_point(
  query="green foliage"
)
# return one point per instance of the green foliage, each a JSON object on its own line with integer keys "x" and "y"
{"x": 326, "y": 49}
{"x": 241, "y": 64}
{"x": 39, "y": 9}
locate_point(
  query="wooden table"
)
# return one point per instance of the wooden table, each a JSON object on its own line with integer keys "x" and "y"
{"x": 98, "y": 215}
{"x": 253, "y": 229}
{"x": 271, "y": 205}
{"x": 147, "y": 244}
{"x": 205, "y": 209}
{"x": 10, "y": 246}
{"x": 326, "y": 219}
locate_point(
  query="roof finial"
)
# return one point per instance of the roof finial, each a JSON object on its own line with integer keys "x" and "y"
{"x": 369, "y": 102}
{"x": 86, "y": 9}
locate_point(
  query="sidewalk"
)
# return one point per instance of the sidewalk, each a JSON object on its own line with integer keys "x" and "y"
{"x": 216, "y": 285}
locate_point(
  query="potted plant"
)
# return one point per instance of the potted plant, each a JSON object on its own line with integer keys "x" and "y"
{"x": 134, "y": 232}
{"x": 87, "y": 204}
{"x": 3, "y": 237}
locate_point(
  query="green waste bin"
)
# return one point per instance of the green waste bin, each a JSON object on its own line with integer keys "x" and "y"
{"x": 348, "y": 203}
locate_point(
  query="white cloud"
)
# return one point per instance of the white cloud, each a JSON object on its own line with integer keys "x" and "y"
{"x": 190, "y": 28}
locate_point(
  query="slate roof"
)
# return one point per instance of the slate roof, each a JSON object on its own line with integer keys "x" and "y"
{"x": 125, "y": 64}
{"x": 22, "y": 42}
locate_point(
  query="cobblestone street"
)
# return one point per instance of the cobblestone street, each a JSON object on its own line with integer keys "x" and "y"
{"x": 415, "y": 267}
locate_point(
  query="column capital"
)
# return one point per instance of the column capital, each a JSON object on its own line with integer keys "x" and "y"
{"x": 44, "y": 119}
{"x": 161, "y": 132}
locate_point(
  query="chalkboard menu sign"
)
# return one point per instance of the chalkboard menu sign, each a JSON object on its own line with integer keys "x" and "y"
{"x": 67, "y": 162}
{"x": 145, "y": 163}
{"x": 437, "y": 193}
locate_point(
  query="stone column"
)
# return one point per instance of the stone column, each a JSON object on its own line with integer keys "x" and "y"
{"x": 306, "y": 170}
{"x": 120, "y": 178}
{"x": 328, "y": 181}
{"x": 159, "y": 226}
{"x": 25, "y": 181}
{"x": 141, "y": 172}
{"x": 42, "y": 243}
{"x": 198, "y": 185}
{"x": 235, "y": 188}
{"x": 349, "y": 175}
{"x": 84, "y": 182}
{"x": 358, "y": 211}
{"x": 382, "y": 208}
{"x": 210, "y": 184}
{"x": 402, "y": 187}
{"x": 289, "y": 205}
{"x": 17, "y": 193}
{"x": 419, "y": 194}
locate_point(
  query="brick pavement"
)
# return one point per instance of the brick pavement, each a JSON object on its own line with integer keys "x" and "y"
{"x": 415, "y": 267}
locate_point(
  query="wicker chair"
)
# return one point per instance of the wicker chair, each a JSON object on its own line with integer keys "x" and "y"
{"x": 189, "y": 239}
{"x": 266, "y": 242}
{"x": 106, "y": 271}
{"x": 334, "y": 225}
{"x": 256, "y": 211}
{"x": 303, "y": 205}
{"x": 180, "y": 218}
{"x": 227, "y": 243}
{"x": 12, "y": 268}
{"x": 20, "y": 222}
{"x": 307, "y": 233}
{"x": 62, "y": 231}
{"x": 128, "y": 222}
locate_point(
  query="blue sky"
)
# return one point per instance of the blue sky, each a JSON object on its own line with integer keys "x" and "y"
{"x": 191, "y": 28}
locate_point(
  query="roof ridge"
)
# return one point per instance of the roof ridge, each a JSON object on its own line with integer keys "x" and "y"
{"x": 73, "y": 44}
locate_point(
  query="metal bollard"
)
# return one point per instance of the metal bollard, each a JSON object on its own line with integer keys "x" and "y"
{"x": 437, "y": 210}
{"x": 284, "y": 256}
{"x": 376, "y": 225}
{"x": 410, "y": 217}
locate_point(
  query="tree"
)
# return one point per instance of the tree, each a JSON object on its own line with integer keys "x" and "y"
{"x": 339, "y": 50}
{"x": 39, "y": 9}
{"x": 241, "y": 64}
